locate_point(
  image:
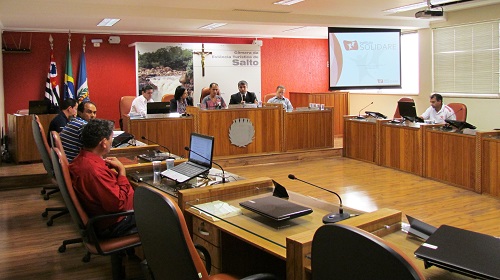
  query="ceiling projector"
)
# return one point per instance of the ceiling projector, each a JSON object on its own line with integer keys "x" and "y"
{"x": 429, "y": 13}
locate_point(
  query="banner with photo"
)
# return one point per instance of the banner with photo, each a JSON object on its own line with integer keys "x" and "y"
{"x": 195, "y": 65}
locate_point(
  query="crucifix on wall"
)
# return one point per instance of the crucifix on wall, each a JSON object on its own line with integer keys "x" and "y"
{"x": 203, "y": 54}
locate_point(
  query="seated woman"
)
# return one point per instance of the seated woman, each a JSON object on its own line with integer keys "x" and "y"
{"x": 179, "y": 103}
{"x": 213, "y": 100}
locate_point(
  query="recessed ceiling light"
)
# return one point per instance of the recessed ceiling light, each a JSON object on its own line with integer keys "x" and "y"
{"x": 212, "y": 26}
{"x": 406, "y": 8}
{"x": 287, "y": 2}
{"x": 108, "y": 22}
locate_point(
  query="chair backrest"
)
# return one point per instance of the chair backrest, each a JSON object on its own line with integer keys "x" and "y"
{"x": 348, "y": 252}
{"x": 460, "y": 110}
{"x": 63, "y": 178}
{"x": 126, "y": 104}
{"x": 167, "y": 97}
{"x": 397, "y": 115}
{"x": 42, "y": 144}
{"x": 165, "y": 237}
{"x": 204, "y": 92}
{"x": 269, "y": 96}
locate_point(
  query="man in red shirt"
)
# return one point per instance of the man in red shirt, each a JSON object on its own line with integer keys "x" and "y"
{"x": 100, "y": 182}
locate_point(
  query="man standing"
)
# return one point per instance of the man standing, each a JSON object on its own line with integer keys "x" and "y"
{"x": 139, "y": 105}
{"x": 438, "y": 112}
{"x": 101, "y": 183}
{"x": 243, "y": 96}
{"x": 70, "y": 135}
{"x": 280, "y": 98}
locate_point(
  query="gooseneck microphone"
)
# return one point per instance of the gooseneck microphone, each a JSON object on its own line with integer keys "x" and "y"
{"x": 359, "y": 113}
{"x": 332, "y": 217}
{"x": 169, "y": 153}
{"x": 223, "y": 174}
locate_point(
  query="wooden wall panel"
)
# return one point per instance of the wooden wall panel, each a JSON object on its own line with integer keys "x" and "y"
{"x": 490, "y": 171}
{"x": 308, "y": 130}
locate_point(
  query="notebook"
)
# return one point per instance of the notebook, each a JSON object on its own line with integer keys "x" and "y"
{"x": 121, "y": 139}
{"x": 276, "y": 208}
{"x": 463, "y": 251}
{"x": 199, "y": 161}
{"x": 158, "y": 108}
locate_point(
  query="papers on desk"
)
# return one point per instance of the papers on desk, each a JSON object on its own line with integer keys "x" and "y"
{"x": 217, "y": 208}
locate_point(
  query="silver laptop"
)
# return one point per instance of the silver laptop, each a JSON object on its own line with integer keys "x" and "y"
{"x": 199, "y": 161}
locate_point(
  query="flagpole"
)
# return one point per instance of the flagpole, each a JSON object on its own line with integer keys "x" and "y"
{"x": 51, "y": 41}
{"x": 84, "y": 43}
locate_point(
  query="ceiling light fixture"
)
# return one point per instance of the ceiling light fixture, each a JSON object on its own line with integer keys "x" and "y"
{"x": 108, "y": 22}
{"x": 212, "y": 26}
{"x": 287, "y": 2}
{"x": 301, "y": 28}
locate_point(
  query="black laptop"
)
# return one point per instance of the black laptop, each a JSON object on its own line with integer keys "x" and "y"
{"x": 463, "y": 251}
{"x": 419, "y": 228}
{"x": 38, "y": 107}
{"x": 158, "y": 108}
{"x": 199, "y": 161}
{"x": 275, "y": 208}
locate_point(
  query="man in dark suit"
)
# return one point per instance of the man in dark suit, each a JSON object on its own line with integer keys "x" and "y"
{"x": 243, "y": 96}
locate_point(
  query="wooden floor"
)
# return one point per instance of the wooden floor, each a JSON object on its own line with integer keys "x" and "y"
{"x": 28, "y": 248}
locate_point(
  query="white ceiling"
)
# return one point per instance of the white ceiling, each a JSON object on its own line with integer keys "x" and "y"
{"x": 245, "y": 18}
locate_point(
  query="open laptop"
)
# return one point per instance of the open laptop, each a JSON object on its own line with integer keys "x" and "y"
{"x": 275, "y": 208}
{"x": 419, "y": 228}
{"x": 158, "y": 108}
{"x": 199, "y": 161}
{"x": 38, "y": 107}
{"x": 463, "y": 251}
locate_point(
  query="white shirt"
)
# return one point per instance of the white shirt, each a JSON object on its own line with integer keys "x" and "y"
{"x": 446, "y": 113}
{"x": 287, "y": 105}
{"x": 139, "y": 105}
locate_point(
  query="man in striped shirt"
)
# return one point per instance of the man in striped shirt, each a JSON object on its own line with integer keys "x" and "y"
{"x": 70, "y": 135}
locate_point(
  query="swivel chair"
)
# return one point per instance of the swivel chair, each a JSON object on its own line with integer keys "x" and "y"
{"x": 124, "y": 107}
{"x": 460, "y": 110}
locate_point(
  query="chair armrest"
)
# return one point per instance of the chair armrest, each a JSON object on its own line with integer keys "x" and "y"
{"x": 91, "y": 230}
{"x": 206, "y": 254}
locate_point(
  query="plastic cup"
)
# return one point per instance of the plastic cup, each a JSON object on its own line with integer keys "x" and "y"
{"x": 170, "y": 163}
{"x": 156, "y": 172}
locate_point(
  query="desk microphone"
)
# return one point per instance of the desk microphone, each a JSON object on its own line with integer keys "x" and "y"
{"x": 448, "y": 126}
{"x": 169, "y": 154}
{"x": 359, "y": 113}
{"x": 332, "y": 217}
{"x": 223, "y": 174}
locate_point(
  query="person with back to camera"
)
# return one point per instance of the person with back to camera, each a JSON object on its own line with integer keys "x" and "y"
{"x": 438, "y": 112}
{"x": 179, "y": 103}
{"x": 139, "y": 105}
{"x": 243, "y": 96}
{"x": 100, "y": 182}
{"x": 213, "y": 100}
{"x": 280, "y": 98}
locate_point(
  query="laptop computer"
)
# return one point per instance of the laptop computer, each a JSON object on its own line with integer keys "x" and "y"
{"x": 121, "y": 139}
{"x": 276, "y": 208}
{"x": 158, "y": 108}
{"x": 38, "y": 107}
{"x": 463, "y": 251}
{"x": 420, "y": 228}
{"x": 199, "y": 160}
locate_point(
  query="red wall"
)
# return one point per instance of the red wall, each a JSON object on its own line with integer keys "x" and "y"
{"x": 298, "y": 64}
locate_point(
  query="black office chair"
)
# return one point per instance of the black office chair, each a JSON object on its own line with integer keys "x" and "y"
{"x": 347, "y": 252}
{"x": 167, "y": 244}
{"x": 114, "y": 246}
{"x": 43, "y": 148}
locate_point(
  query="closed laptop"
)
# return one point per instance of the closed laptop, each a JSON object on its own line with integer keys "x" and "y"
{"x": 276, "y": 208}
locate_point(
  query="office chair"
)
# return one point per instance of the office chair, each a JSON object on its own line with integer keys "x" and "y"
{"x": 43, "y": 148}
{"x": 460, "y": 110}
{"x": 347, "y": 252}
{"x": 167, "y": 244}
{"x": 124, "y": 107}
{"x": 397, "y": 115}
{"x": 167, "y": 97}
{"x": 204, "y": 92}
{"x": 269, "y": 96}
{"x": 95, "y": 245}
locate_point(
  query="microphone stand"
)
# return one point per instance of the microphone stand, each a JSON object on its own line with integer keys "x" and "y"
{"x": 332, "y": 217}
{"x": 359, "y": 117}
{"x": 223, "y": 173}
{"x": 168, "y": 150}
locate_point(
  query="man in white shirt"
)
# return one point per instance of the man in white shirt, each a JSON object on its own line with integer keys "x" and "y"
{"x": 280, "y": 98}
{"x": 438, "y": 112}
{"x": 139, "y": 105}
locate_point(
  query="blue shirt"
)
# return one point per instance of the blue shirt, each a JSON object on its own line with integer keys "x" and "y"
{"x": 70, "y": 137}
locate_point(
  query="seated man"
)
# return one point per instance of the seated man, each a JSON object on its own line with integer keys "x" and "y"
{"x": 438, "y": 112}
{"x": 139, "y": 105}
{"x": 243, "y": 96}
{"x": 101, "y": 183}
{"x": 280, "y": 98}
{"x": 70, "y": 135}
{"x": 68, "y": 111}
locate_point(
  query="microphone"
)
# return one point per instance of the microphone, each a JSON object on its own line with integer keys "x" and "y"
{"x": 332, "y": 217}
{"x": 223, "y": 174}
{"x": 169, "y": 153}
{"x": 359, "y": 113}
{"x": 454, "y": 113}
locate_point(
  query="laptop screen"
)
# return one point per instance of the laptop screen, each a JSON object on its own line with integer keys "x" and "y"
{"x": 202, "y": 147}
{"x": 407, "y": 109}
{"x": 158, "y": 107}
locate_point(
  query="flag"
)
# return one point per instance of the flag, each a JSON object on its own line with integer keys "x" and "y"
{"x": 83, "y": 88}
{"x": 69, "y": 82}
{"x": 52, "y": 86}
